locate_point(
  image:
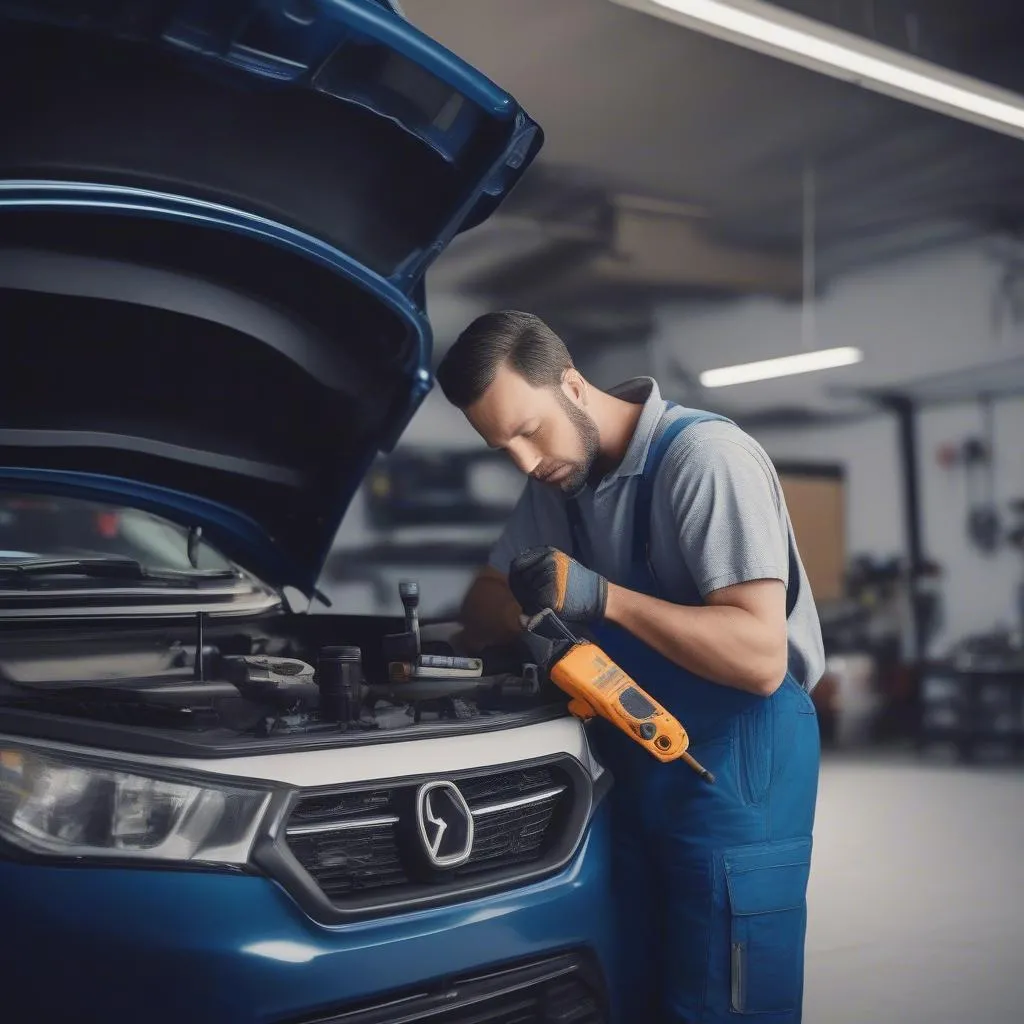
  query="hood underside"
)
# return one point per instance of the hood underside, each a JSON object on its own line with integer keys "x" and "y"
{"x": 214, "y": 224}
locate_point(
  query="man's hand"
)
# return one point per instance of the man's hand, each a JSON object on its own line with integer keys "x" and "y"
{"x": 548, "y": 578}
{"x": 490, "y": 614}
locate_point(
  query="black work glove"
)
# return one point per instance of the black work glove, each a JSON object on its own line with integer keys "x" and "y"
{"x": 548, "y": 578}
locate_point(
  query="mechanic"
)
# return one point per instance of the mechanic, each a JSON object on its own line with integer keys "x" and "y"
{"x": 663, "y": 533}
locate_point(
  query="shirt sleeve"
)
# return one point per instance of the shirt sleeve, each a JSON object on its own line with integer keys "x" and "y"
{"x": 727, "y": 508}
{"x": 538, "y": 519}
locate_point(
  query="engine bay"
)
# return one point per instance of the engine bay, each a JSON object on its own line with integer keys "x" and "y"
{"x": 214, "y": 687}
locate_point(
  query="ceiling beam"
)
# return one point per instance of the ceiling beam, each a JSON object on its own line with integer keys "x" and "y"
{"x": 652, "y": 247}
{"x": 649, "y": 246}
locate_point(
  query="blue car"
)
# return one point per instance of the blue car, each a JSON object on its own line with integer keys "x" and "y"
{"x": 220, "y": 801}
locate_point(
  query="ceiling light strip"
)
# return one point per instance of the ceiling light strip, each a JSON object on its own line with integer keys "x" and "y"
{"x": 783, "y": 366}
{"x": 769, "y": 29}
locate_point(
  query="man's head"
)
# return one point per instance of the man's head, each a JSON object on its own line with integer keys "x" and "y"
{"x": 514, "y": 379}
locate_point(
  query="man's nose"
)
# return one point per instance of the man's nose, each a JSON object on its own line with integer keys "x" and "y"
{"x": 526, "y": 459}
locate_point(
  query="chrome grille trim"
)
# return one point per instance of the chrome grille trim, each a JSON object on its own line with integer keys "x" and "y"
{"x": 391, "y": 819}
{"x": 523, "y": 801}
{"x": 337, "y": 826}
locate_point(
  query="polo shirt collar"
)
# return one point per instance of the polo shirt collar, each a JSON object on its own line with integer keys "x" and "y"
{"x": 646, "y": 390}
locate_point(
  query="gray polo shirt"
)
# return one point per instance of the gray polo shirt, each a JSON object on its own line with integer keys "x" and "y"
{"x": 718, "y": 518}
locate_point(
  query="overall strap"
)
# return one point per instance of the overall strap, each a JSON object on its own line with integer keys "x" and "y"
{"x": 659, "y": 447}
{"x": 572, "y": 511}
{"x": 642, "y": 503}
{"x": 656, "y": 453}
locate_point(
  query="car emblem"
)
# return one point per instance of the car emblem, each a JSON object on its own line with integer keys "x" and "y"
{"x": 445, "y": 824}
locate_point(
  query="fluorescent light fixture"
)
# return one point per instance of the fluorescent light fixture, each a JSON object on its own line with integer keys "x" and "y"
{"x": 769, "y": 29}
{"x": 784, "y": 366}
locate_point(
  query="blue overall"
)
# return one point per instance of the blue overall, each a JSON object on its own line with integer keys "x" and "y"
{"x": 710, "y": 879}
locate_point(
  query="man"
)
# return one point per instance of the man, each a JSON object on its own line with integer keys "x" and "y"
{"x": 663, "y": 532}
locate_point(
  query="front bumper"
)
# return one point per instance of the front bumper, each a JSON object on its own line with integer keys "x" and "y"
{"x": 123, "y": 945}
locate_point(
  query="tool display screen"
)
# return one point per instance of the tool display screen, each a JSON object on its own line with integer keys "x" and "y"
{"x": 636, "y": 704}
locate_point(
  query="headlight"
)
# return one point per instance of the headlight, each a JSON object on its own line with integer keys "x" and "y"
{"x": 75, "y": 809}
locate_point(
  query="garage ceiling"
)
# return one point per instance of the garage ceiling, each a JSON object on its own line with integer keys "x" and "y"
{"x": 676, "y": 165}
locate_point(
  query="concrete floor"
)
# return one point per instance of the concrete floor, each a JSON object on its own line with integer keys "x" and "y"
{"x": 916, "y": 895}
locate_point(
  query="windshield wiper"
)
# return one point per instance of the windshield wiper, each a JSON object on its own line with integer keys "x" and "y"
{"x": 110, "y": 568}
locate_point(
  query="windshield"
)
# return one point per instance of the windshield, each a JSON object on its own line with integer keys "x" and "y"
{"x": 37, "y": 526}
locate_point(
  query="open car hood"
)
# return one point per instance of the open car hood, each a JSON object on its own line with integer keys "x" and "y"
{"x": 215, "y": 219}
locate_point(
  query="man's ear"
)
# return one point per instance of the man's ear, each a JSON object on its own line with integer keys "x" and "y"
{"x": 574, "y": 386}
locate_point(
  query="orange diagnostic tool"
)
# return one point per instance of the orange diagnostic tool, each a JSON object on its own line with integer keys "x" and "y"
{"x": 598, "y": 687}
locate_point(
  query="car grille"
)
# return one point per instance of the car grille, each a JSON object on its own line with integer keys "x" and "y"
{"x": 565, "y": 989}
{"x": 361, "y": 846}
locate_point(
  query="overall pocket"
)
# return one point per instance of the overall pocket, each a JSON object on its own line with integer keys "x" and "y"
{"x": 767, "y": 893}
{"x": 755, "y": 751}
{"x": 803, "y": 698}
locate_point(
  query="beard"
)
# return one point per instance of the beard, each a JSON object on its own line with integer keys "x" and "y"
{"x": 589, "y": 438}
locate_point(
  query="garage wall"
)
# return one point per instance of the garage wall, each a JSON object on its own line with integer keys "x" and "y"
{"x": 611, "y": 365}
{"x": 915, "y": 318}
{"x": 979, "y": 590}
{"x": 912, "y": 318}
{"x": 868, "y": 454}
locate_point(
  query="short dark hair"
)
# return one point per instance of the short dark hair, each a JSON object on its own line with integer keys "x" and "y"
{"x": 521, "y": 341}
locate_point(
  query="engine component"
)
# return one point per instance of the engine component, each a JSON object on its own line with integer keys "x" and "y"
{"x": 405, "y": 646}
{"x": 242, "y": 685}
{"x": 420, "y": 690}
{"x": 408, "y": 671}
{"x": 340, "y": 679}
{"x": 409, "y": 592}
{"x": 285, "y": 683}
{"x": 446, "y": 661}
{"x": 200, "y": 662}
{"x": 400, "y": 647}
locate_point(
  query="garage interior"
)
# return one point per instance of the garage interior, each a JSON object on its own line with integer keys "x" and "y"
{"x": 699, "y": 205}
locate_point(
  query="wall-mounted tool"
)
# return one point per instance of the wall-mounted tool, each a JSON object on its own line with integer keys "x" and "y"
{"x": 983, "y": 523}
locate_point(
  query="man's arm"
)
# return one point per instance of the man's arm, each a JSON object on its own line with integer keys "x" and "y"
{"x": 490, "y": 614}
{"x": 738, "y": 638}
{"x": 726, "y": 508}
